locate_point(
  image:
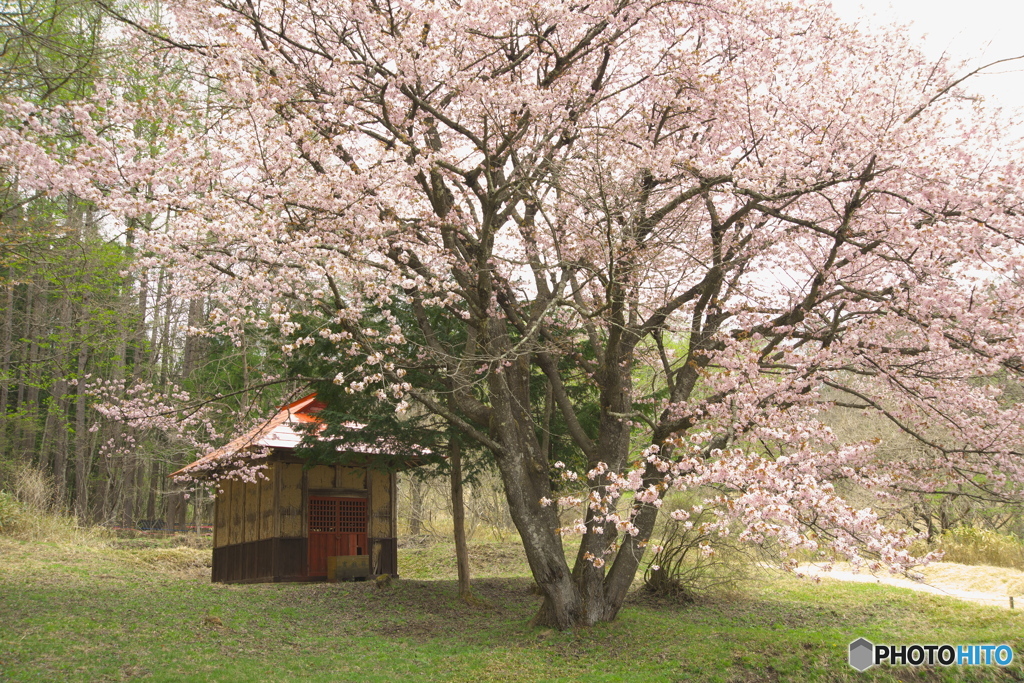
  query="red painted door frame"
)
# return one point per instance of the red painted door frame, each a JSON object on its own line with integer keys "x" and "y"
{"x": 337, "y": 526}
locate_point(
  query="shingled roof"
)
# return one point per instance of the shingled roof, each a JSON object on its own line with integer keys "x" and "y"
{"x": 277, "y": 432}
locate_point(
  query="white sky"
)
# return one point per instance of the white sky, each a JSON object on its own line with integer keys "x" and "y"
{"x": 980, "y": 30}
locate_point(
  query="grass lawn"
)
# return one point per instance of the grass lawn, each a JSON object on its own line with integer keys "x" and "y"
{"x": 139, "y": 611}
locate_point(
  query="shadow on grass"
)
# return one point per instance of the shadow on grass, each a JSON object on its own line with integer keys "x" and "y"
{"x": 97, "y": 615}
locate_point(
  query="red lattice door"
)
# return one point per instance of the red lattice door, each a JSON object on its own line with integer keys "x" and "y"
{"x": 337, "y": 526}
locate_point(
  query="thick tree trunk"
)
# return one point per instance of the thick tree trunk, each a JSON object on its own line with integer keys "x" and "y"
{"x": 524, "y": 473}
{"x": 593, "y": 591}
{"x": 563, "y": 606}
{"x": 614, "y": 432}
{"x": 631, "y": 553}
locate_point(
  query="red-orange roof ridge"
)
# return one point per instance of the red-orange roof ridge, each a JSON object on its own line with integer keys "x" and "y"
{"x": 295, "y": 410}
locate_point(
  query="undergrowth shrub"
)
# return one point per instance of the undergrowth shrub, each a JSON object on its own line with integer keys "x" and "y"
{"x": 971, "y": 545}
{"x": 11, "y": 514}
{"x": 29, "y": 511}
{"x": 34, "y": 488}
{"x": 23, "y": 522}
{"x": 695, "y": 563}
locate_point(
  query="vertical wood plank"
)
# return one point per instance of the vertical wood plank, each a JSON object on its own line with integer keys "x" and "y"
{"x": 219, "y": 522}
{"x": 252, "y": 512}
{"x": 353, "y": 478}
{"x": 236, "y": 496}
{"x": 305, "y": 503}
{"x": 278, "y": 476}
{"x": 291, "y": 500}
{"x": 380, "y": 505}
{"x": 321, "y": 477}
{"x": 393, "y": 506}
{"x": 267, "y": 504}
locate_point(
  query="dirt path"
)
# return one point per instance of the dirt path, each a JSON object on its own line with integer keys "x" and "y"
{"x": 980, "y": 584}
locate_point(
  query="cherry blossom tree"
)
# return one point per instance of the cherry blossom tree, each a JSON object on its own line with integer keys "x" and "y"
{"x": 716, "y": 218}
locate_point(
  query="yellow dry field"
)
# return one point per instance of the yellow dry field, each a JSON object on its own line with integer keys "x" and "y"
{"x": 975, "y": 578}
{"x": 976, "y": 583}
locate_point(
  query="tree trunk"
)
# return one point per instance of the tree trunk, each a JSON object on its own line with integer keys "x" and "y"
{"x": 55, "y": 431}
{"x": 593, "y": 591}
{"x": 549, "y": 411}
{"x": 524, "y": 473}
{"x": 459, "y": 516}
{"x": 127, "y": 497}
{"x": 28, "y": 387}
{"x": 154, "y": 332}
{"x": 138, "y": 341}
{"x": 83, "y": 462}
{"x": 5, "y": 356}
{"x": 165, "y": 341}
{"x": 139, "y": 489}
{"x": 416, "y": 506}
{"x": 176, "y": 510}
{"x": 614, "y": 431}
{"x": 194, "y": 345}
{"x": 155, "y": 480}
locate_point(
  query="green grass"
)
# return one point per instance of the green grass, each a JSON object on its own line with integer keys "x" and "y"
{"x": 141, "y": 610}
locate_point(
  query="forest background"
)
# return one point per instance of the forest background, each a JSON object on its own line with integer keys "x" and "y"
{"x": 85, "y": 321}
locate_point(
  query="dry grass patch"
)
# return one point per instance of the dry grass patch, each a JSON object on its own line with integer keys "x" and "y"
{"x": 984, "y": 578}
{"x": 179, "y": 559}
{"x": 971, "y": 545}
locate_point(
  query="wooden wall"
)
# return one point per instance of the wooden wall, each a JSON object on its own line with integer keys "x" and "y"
{"x": 291, "y": 502}
{"x": 261, "y": 516}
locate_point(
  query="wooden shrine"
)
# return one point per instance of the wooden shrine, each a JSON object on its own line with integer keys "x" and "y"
{"x": 286, "y": 526}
